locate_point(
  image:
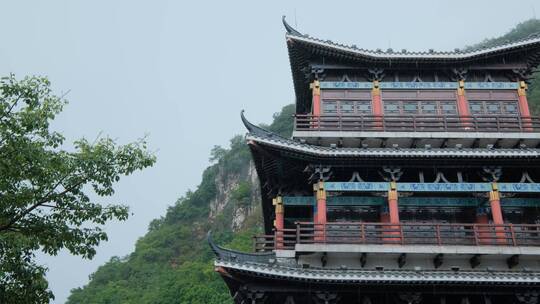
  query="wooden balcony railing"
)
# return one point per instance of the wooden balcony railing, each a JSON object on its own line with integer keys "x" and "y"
{"x": 402, "y": 234}
{"x": 417, "y": 123}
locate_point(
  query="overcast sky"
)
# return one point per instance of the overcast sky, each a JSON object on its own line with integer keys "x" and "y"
{"x": 181, "y": 72}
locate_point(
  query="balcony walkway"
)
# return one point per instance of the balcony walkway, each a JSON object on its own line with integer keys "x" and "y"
{"x": 308, "y": 236}
{"x": 417, "y": 131}
{"x": 418, "y": 123}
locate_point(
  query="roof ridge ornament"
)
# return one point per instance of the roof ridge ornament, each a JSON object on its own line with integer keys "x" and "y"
{"x": 288, "y": 28}
{"x": 215, "y": 248}
{"x": 235, "y": 255}
{"x": 460, "y": 74}
{"x": 256, "y": 130}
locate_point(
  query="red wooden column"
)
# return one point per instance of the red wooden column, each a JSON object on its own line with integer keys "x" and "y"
{"x": 524, "y": 106}
{"x": 496, "y": 213}
{"x": 385, "y": 215}
{"x": 384, "y": 219}
{"x": 319, "y": 216}
{"x": 393, "y": 214}
{"x": 483, "y": 229}
{"x": 376, "y": 104}
{"x": 393, "y": 203}
{"x": 279, "y": 222}
{"x": 463, "y": 105}
{"x": 315, "y": 87}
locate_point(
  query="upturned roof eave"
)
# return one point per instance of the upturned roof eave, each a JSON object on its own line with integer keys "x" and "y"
{"x": 454, "y": 57}
{"x": 281, "y": 143}
{"x": 481, "y": 277}
{"x": 293, "y": 34}
{"x": 265, "y": 137}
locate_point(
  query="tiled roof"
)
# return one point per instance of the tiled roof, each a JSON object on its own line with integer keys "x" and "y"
{"x": 265, "y": 137}
{"x": 456, "y": 54}
{"x": 234, "y": 255}
{"x": 295, "y": 146}
{"x": 383, "y": 276}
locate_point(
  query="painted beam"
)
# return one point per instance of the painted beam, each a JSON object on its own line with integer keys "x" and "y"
{"x": 519, "y": 187}
{"x": 420, "y": 85}
{"x": 430, "y": 187}
{"x": 520, "y": 202}
{"x": 357, "y": 186}
{"x": 355, "y": 201}
{"x": 410, "y": 201}
{"x": 441, "y": 201}
{"x": 334, "y": 201}
{"x": 299, "y": 200}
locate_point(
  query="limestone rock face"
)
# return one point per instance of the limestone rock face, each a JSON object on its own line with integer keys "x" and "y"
{"x": 224, "y": 202}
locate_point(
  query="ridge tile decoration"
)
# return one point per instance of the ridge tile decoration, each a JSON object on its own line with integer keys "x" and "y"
{"x": 410, "y": 177}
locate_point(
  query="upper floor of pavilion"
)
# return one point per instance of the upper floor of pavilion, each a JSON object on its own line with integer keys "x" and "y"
{"x": 352, "y": 97}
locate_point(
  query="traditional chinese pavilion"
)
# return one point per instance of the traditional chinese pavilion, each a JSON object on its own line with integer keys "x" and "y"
{"x": 410, "y": 177}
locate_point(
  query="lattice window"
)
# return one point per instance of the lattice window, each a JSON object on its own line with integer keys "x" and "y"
{"x": 476, "y": 107}
{"x": 429, "y": 107}
{"x": 493, "y": 107}
{"x": 363, "y": 107}
{"x": 423, "y": 107}
{"x": 410, "y": 107}
{"x": 448, "y": 107}
{"x": 510, "y": 107}
{"x": 330, "y": 107}
{"x": 346, "y": 107}
{"x": 392, "y": 107}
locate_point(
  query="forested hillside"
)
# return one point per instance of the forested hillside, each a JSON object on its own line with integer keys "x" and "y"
{"x": 522, "y": 30}
{"x": 172, "y": 263}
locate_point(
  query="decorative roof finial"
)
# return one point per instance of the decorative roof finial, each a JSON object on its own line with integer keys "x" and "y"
{"x": 256, "y": 130}
{"x": 290, "y": 29}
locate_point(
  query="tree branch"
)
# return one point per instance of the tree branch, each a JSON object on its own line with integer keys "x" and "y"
{"x": 11, "y": 108}
{"x": 48, "y": 197}
{"x": 70, "y": 209}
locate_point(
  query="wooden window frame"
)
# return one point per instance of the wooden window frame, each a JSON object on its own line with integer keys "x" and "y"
{"x": 502, "y": 107}
{"x": 338, "y": 102}
{"x": 419, "y": 107}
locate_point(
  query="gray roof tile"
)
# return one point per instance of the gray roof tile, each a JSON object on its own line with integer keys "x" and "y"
{"x": 292, "y": 145}
{"x": 456, "y": 54}
{"x": 393, "y": 275}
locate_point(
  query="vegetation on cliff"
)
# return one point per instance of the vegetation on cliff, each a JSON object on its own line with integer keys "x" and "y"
{"x": 172, "y": 263}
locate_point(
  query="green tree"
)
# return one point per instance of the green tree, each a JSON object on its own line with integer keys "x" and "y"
{"x": 217, "y": 153}
{"x": 520, "y": 31}
{"x": 47, "y": 193}
{"x": 282, "y": 123}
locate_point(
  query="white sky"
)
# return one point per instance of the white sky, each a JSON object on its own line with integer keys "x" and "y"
{"x": 182, "y": 71}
